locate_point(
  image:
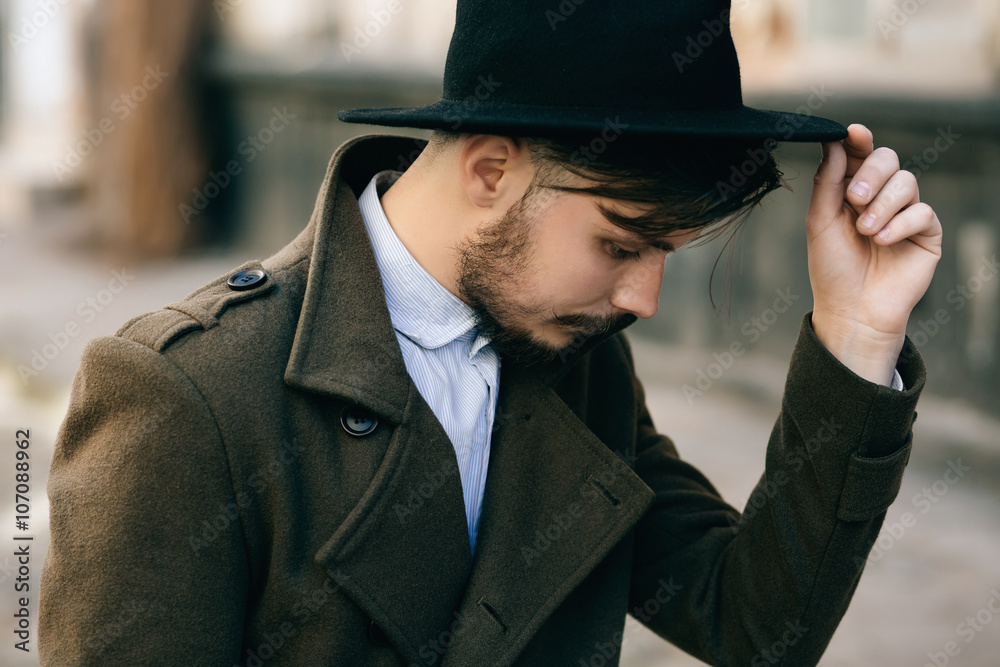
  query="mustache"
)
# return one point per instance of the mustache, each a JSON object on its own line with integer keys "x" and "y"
{"x": 596, "y": 326}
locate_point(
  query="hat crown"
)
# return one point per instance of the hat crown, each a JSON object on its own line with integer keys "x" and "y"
{"x": 570, "y": 67}
{"x": 634, "y": 54}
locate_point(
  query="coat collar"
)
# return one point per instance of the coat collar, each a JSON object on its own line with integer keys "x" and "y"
{"x": 545, "y": 464}
{"x": 344, "y": 344}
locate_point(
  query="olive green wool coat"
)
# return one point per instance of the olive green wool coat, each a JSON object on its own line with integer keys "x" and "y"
{"x": 209, "y": 505}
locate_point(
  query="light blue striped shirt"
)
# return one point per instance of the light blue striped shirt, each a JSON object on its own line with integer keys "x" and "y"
{"x": 451, "y": 363}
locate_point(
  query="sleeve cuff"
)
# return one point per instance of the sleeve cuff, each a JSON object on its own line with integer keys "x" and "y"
{"x": 877, "y": 418}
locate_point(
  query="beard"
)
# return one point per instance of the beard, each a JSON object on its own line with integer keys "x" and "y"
{"x": 496, "y": 265}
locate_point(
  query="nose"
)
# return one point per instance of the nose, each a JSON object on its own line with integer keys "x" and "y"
{"x": 638, "y": 289}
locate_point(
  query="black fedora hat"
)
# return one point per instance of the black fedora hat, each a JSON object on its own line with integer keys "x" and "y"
{"x": 547, "y": 67}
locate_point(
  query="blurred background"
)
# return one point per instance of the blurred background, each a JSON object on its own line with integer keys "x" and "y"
{"x": 118, "y": 119}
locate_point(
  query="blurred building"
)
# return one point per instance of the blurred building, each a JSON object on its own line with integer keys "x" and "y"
{"x": 920, "y": 48}
{"x": 40, "y": 103}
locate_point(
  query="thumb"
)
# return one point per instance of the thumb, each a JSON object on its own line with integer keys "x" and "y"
{"x": 829, "y": 188}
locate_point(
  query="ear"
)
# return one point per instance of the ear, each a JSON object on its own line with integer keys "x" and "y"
{"x": 495, "y": 171}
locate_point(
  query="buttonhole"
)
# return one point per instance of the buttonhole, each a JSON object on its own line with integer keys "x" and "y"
{"x": 488, "y": 608}
{"x": 603, "y": 490}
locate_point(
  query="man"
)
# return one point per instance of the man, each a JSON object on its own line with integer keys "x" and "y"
{"x": 415, "y": 435}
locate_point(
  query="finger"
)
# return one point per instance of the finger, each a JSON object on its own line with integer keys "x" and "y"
{"x": 918, "y": 223}
{"x": 871, "y": 177}
{"x": 899, "y": 192}
{"x": 828, "y": 183}
{"x": 860, "y": 143}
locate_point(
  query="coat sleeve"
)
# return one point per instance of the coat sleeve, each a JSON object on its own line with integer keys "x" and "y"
{"x": 769, "y": 587}
{"x": 146, "y": 563}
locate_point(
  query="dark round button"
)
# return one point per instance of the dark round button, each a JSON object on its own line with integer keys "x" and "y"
{"x": 376, "y": 636}
{"x": 246, "y": 279}
{"x": 358, "y": 421}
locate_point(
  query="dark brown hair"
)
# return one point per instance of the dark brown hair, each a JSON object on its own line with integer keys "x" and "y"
{"x": 688, "y": 183}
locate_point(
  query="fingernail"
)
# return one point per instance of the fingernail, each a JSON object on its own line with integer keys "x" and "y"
{"x": 884, "y": 234}
{"x": 861, "y": 189}
{"x": 868, "y": 220}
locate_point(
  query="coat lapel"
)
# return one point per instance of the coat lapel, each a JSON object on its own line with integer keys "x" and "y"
{"x": 557, "y": 500}
{"x": 402, "y": 553}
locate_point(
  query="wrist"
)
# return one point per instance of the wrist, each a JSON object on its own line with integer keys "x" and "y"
{"x": 869, "y": 353}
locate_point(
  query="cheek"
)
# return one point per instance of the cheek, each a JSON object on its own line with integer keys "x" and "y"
{"x": 568, "y": 273}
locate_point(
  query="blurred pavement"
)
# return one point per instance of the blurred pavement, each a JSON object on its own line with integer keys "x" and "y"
{"x": 914, "y": 599}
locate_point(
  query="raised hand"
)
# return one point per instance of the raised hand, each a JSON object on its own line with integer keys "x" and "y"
{"x": 873, "y": 247}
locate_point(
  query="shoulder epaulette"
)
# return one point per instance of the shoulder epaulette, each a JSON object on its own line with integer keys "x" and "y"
{"x": 200, "y": 310}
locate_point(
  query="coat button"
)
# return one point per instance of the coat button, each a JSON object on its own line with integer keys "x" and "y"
{"x": 245, "y": 280}
{"x": 376, "y": 636}
{"x": 357, "y": 421}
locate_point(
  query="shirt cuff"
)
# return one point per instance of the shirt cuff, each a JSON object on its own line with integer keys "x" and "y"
{"x": 897, "y": 381}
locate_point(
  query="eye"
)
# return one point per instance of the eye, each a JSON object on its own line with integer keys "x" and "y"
{"x": 621, "y": 254}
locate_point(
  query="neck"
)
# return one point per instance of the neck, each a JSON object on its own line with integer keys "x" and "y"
{"x": 426, "y": 212}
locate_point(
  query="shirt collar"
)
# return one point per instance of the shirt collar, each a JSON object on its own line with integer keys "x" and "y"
{"x": 420, "y": 307}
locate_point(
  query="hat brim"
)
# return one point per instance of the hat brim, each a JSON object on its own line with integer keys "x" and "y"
{"x": 525, "y": 120}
